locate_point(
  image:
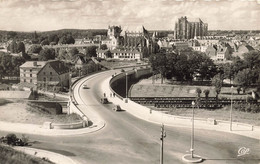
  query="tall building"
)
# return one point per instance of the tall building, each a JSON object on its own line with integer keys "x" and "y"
{"x": 190, "y": 28}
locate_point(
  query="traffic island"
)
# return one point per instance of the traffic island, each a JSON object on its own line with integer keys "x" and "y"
{"x": 195, "y": 159}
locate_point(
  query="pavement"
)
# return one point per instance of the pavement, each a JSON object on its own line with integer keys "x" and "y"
{"x": 135, "y": 109}
{"x": 145, "y": 113}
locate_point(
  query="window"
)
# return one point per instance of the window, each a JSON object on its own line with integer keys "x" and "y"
{"x": 43, "y": 73}
{"x": 50, "y": 73}
{"x": 44, "y": 79}
{"x": 50, "y": 79}
{"x": 24, "y": 80}
{"x": 30, "y": 70}
{"x": 30, "y": 80}
{"x": 30, "y": 75}
{"x": 24, "y": 75}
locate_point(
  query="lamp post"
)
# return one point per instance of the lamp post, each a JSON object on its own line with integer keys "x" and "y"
{"x": 191, "y": 157}
{"x": 231, "y": 108}
{"x": 126, "y": 86}
{"x": 192, "y": 131}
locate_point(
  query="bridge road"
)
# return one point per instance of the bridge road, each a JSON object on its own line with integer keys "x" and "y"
{"x": 127, "y": 139}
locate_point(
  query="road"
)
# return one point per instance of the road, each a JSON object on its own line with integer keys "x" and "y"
{"x": 127, "y": 139}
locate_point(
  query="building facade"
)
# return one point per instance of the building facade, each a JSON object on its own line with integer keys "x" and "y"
{"x": 189, "y": 29}
{"x": 45, "y": 74}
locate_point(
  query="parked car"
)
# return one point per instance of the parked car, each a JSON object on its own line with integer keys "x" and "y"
{"x": 116, "y": 108}
{"x": 85, "y": 86}
{"x": 104, "y": 100}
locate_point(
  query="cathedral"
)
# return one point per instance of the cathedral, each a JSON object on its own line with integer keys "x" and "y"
{"x": 190, "y": 28}
{"x": 130, "y": 40}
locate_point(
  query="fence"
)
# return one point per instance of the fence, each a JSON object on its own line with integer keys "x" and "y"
{"x": 186, "y": 102}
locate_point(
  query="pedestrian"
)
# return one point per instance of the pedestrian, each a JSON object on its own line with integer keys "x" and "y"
{"x": 104, "y": 94}
{"x": 114, "y": 94}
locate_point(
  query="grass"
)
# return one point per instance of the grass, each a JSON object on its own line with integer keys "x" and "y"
{"x": 9, "y": 155}
{"x": 64, "y": 118}
{"x": 55, "y": 118}
{"x": 219, "y": 114}
{"x": 4, "y": 101}
{"x": 145, "y": 88}
{"x": 117, "y": 63}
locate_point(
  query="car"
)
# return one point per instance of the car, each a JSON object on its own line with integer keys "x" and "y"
{"x": 104, "y": 100}
{"x": 85, "y": 86}
{"x": 116, "y": 108}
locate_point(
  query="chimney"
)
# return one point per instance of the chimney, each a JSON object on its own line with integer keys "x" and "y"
{"x": 35, "y": 63}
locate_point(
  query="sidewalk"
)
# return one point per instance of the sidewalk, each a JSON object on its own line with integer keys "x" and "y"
{"x": 145, "y": 113}
{"x": 97, "y": 121}
{"x": 39, "y": 130}
{"x": 54, "y": 157}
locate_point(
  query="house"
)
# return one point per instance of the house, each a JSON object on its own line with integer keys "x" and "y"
{"x": 102, "y": 53}
{"x": 45, "y": 74}
{"x": 211, "y": 51}
{"x": 222, "y": 53}
{"x": 126, "y": 54}
{"x": 243, "y": 49}
{"x": 87, "y": 65}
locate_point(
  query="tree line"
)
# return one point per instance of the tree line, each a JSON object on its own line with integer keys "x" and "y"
{"x": 187, "y": 64}
{"x": 183, "y": 66}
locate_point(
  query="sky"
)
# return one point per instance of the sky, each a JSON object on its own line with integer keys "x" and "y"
{"x": 46, "y": 15}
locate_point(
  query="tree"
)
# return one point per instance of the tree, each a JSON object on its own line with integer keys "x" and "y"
{"x": 62, "y": 54}
{"x": 238, "y": 65}
{"x": 108, "y": 54}
{"x": 66, "y": 39}
{"x": 73, "y": 53}
{"x": 159, "y": 62}
{"x": 35, "y": 48}
{"x": 53, "y": 38}
{"x": 20, "y": 47}
{"x": 45, "y": 42}
{"x": 206, "y": 92}
{"x": 103, "y": 47}
{"x": 26, "y": 56}
{"x": 198, "y": 91}
{"x": 91, "y": 51}
{"x": 252, "y": 59}
{"x": 171, "y": 61}
{"x": 47, "y": 54}
{"x": 244, "y": 78}
{"x": 182, "y": 68}
{"x": 217, "y": 82}
{"x": 11, "y": 34}
{"x": 16, "y": 63}
{"x": 12, "y": 47}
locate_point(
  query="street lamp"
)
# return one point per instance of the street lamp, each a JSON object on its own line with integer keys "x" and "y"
{"x": 126, "y": 85}
{"x": 192, "y": 130}
{"x": 191, "y": 157}
{"x": 231, "y": 108}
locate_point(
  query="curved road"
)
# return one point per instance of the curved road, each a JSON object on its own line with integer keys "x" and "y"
{"x": 127, "y": 139}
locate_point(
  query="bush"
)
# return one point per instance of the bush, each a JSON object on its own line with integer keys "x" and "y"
{"x": 11, "y": 139}
{"x": 252, "y": 108}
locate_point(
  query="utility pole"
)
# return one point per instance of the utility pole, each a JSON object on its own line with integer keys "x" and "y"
{"x": 163, "y": 135}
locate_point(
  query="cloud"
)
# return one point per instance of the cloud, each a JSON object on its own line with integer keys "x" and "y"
{"x": 29, "y": 15}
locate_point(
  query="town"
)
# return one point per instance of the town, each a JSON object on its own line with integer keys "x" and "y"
{"x": 130, "y": 94}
